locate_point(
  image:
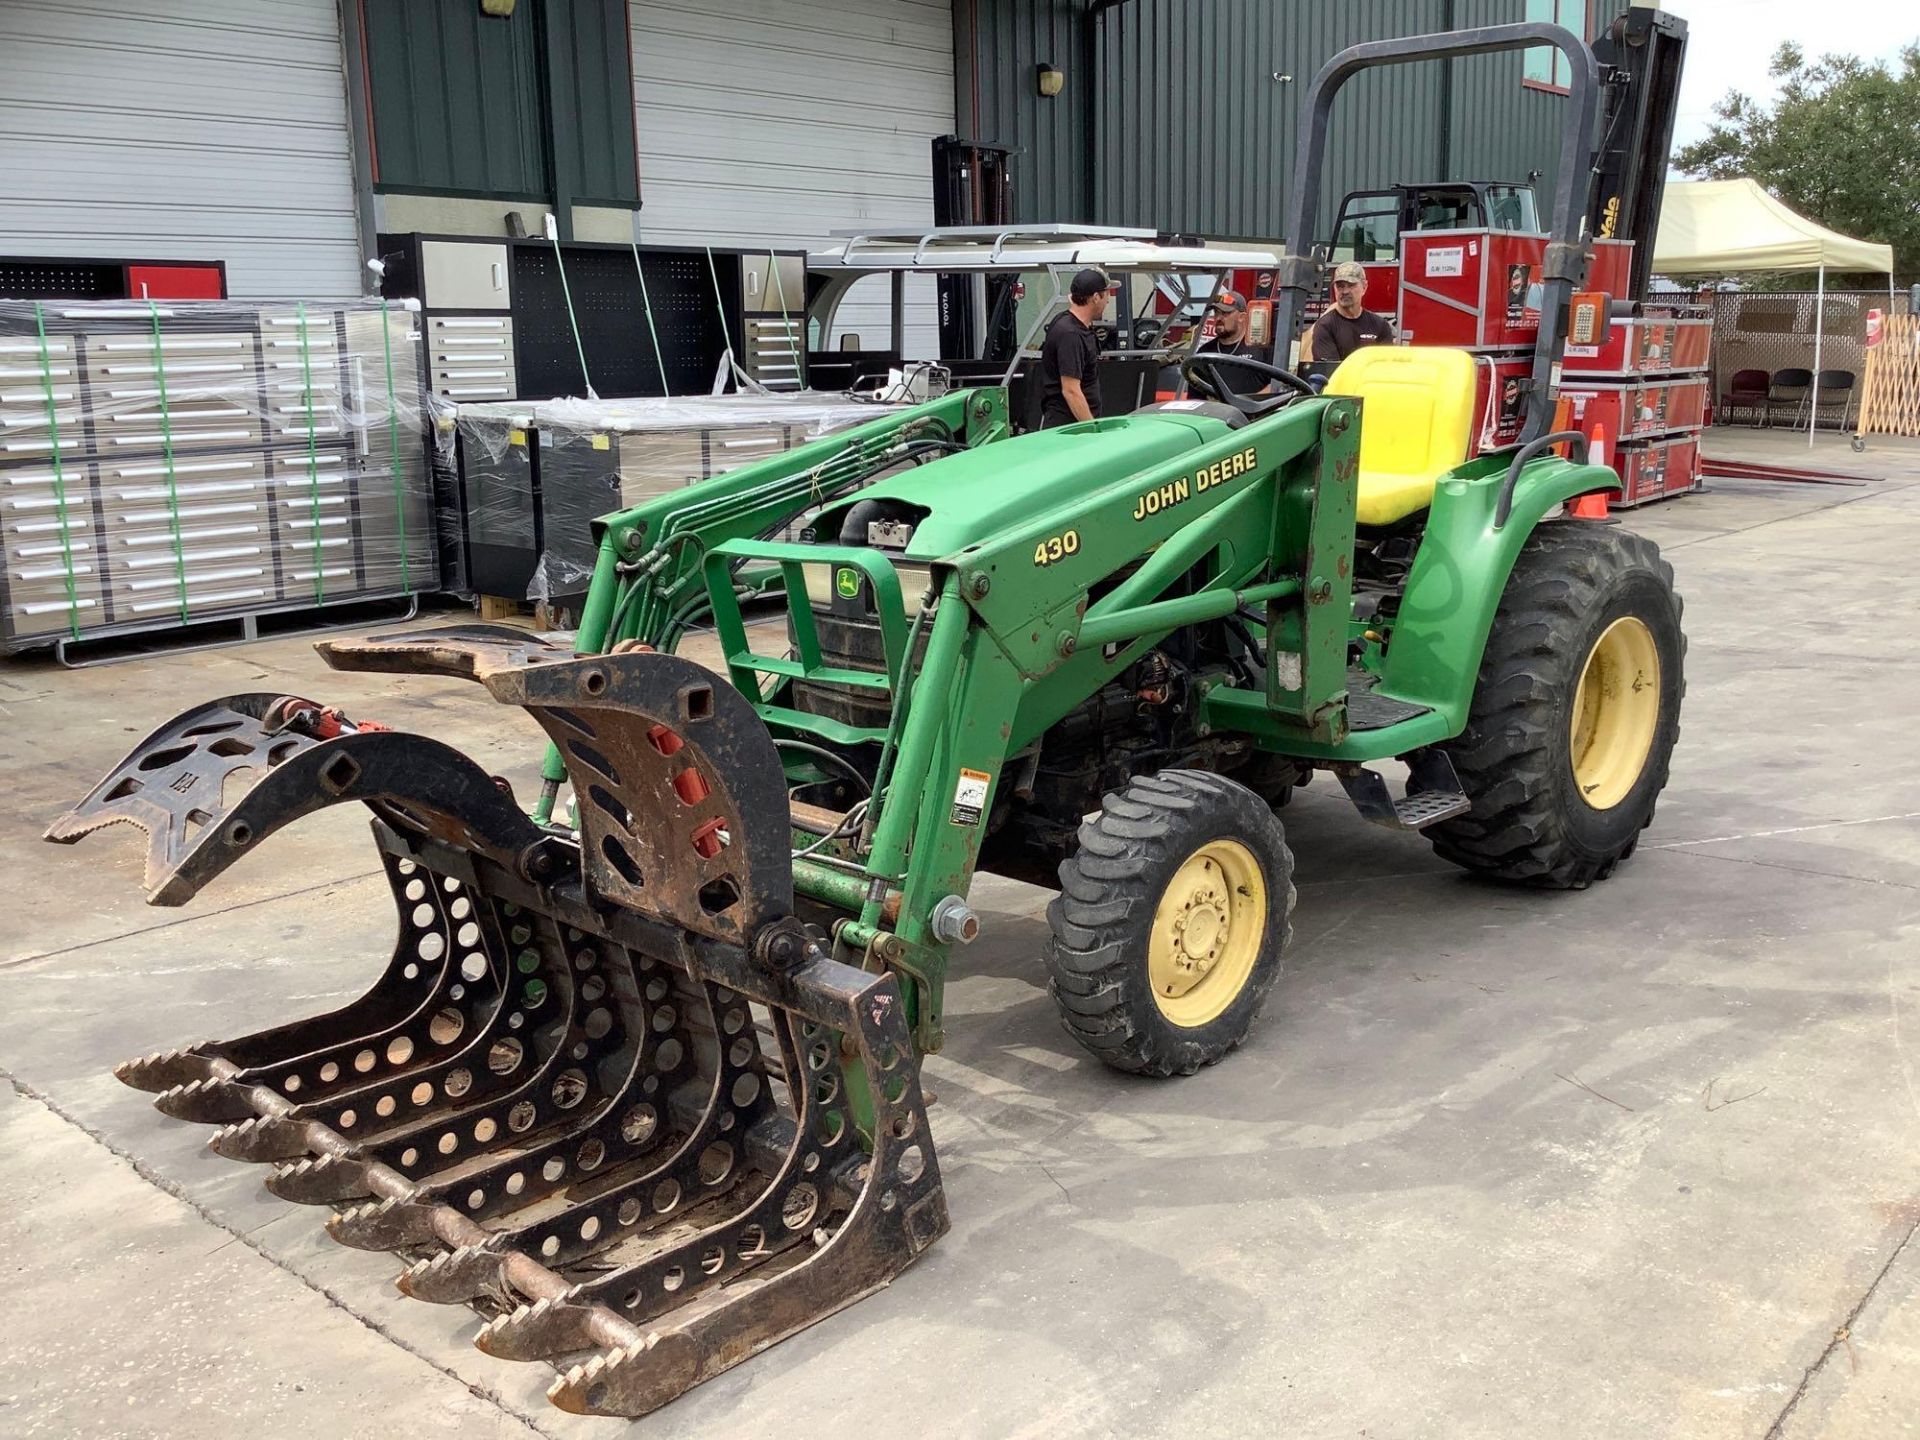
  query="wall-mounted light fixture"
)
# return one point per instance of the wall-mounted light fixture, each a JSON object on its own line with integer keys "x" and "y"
{"x": 1049, "y": 81}
{"x": 501, "y": 8}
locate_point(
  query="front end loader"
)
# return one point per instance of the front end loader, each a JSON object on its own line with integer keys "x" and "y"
{"x": 640, "y": 1078}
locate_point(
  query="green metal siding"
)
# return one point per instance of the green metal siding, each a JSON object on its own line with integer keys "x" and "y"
{"x": 1502, "y": 128}
{"x": 456, "y": 98}
{"x": 1173, "y": 116}
{"x": 1199, "y": 105}
{"x": 460, "y": 107}
{"x": 997, "y": 46}
{"x": 593, "y": 134}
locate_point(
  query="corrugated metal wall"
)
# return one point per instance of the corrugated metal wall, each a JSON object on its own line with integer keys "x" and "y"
{"x": 456, "y": 98}
{"x": 1197, "y": 117}
{"x": 595, "y": 146}
{"x": 180, "y": 129}
{"x": 997, "y": 47}
{"x": 462, "y": 100}
{"x": 1501, "y": 128}
{"x": 1175, "y": 116}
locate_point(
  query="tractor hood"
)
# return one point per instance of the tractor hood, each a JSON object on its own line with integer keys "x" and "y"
{"x": 972, "y": 496}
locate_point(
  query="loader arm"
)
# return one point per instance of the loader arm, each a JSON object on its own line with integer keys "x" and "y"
{"x": 647, "y": 585}
{"x": 1019, "y": 628}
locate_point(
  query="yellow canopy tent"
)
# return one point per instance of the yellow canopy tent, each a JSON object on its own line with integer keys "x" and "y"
{"x": 1725, "y": 227}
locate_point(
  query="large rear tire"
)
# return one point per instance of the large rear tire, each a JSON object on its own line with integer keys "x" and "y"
{"x": 1575, "y": 712}
{"x": 1171, "y": 922}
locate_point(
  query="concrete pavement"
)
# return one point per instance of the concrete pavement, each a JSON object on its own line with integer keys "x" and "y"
{"x": 1642, "y": 1161}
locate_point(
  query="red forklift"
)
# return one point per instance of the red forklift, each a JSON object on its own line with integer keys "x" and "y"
{"x": 1468, "y": 265}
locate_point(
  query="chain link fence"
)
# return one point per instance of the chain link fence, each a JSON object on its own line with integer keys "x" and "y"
{"x": 1774, "y": 332}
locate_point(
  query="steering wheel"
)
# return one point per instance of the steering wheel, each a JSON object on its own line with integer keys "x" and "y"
{"x": 1199, "y": 372}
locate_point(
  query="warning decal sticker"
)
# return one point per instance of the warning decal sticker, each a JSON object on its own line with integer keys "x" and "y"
{"x": 970, "y": 797}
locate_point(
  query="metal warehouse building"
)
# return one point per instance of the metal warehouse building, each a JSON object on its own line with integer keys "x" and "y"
{"x": 280, "y": 136}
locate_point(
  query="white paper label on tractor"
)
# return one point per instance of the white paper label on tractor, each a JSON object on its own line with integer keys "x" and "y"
{"x": 1451, "y": 261}
{"x": 970, "y": 797}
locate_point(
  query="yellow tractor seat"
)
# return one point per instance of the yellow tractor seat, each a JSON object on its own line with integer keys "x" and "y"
{"x": 1414, "y": 426}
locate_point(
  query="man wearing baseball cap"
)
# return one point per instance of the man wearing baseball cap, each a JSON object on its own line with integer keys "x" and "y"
{"x": 1349, "y": 325}
{"x": 1230, "y": 338}
{"x": 1070, "y": 355}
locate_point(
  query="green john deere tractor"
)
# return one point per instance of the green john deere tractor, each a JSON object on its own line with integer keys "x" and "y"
{"x": 643, "y": 1086}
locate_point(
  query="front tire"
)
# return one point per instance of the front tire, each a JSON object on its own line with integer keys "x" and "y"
{"x": 1171, "y": 922}
{"x": 1575, "y": 712}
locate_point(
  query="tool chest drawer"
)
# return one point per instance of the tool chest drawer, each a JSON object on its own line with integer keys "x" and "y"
{"x": 210, "y": 458}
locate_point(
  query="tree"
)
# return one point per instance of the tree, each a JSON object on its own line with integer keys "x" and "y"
{"x": 1840, "y": 144}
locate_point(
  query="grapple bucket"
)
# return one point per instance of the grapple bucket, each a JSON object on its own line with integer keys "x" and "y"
{"x": 602, "y": 1089}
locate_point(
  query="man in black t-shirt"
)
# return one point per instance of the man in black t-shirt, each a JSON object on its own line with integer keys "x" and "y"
{"x": 1349, "y": 325}
{"x": 1070, "y": 355}
{"x": 1230, "y": 338}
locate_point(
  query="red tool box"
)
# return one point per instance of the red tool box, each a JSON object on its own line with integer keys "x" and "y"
{"x": 1655, "y": 469}
{"x": 1472, "y": 288}
{"x": 1631, "y": 409}
{"x": 1648, "y": 345}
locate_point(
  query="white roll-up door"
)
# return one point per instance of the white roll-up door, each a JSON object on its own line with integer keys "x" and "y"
{"x": 771, "y": 122}
{"x": 180, "y": 129}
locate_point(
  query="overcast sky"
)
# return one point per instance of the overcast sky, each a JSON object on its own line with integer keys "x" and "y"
{"x": 1730, "y": 43}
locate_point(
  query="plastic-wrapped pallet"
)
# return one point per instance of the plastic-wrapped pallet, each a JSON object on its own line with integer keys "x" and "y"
{"x": 164, "y": 463}
{"x": 587, "y": 458}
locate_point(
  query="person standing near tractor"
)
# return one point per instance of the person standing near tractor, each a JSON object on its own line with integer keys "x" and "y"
{"x": 1070, "y": 355}
{"x": 1349, "y": 325}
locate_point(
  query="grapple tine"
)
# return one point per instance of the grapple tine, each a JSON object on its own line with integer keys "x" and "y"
{"x": 320, "y": 1180}
{"x": 544, "y": 1330}
{"x": 264, "y": 1139}
{"x": 212, "y": 1101}
{"x": 426, "y": 1005}
{"x": 567, "y": 1081}
{"x": 436, "y": 1066}
{"x": 164, "y": 1069}
{"x": 782, "y": 1214}
{"x": 628, "y": 1125}
{"x": 558, "y": 1084}
{"x": 898, "y": 1211}
{"x": 389, "y": 1224}
{"x": 454, "y": 1277}
{"x": 702, "y": 1167}
{"x": 309, "y": 1059}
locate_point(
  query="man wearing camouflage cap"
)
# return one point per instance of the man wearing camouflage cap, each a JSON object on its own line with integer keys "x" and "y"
{"x": 1349, "y": 325}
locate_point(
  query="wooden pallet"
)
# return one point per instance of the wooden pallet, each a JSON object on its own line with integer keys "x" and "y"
{"x": 502, "y": 607}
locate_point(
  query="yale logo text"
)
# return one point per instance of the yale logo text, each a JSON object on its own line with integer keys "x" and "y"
{"x": 1165, "y": 497}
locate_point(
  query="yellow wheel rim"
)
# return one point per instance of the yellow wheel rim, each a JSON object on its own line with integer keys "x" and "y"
{"x": 1207, "y": 933}
{"x": 1616, "y": 711}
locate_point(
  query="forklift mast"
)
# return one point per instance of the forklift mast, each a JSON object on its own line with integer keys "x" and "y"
{"x": 1640, "y": 60}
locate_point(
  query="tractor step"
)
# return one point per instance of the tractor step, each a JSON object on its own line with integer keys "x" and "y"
{"x": 558, "y": 1087}
{"x": 1433, "y": 793}
{"x": 1368, "y": 709}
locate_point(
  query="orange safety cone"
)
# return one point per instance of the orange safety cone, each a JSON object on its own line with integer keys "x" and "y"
{"x": 1593, "y": 504}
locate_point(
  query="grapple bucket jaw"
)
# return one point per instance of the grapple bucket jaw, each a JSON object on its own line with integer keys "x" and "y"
{"x": 603, "y": 1089}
